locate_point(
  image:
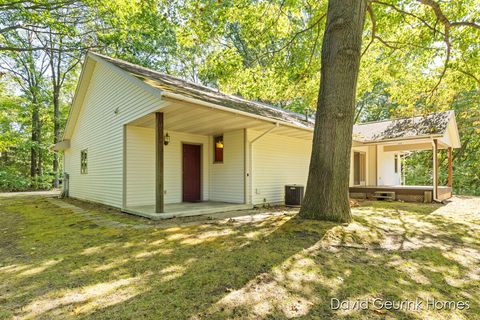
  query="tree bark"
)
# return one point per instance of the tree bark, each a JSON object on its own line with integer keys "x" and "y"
{"x": 56, "y": 132}
{"x": 326, "y": 196}
{"x": 35, "y": 140}
{"x": 40, "y": 149}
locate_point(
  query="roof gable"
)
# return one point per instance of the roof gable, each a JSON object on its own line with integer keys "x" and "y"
{"x": 80, "y": 92}
{"x": 185, "y": 88}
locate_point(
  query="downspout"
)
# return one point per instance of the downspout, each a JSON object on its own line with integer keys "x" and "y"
{"x": 250, "y": 158}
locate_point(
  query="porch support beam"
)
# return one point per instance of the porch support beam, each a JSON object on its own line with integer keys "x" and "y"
{"x": 435, "y": 169}
{"x": 159, "y": 193}
{"x": 407, "y": 147}
{"x": 450, "y": 167}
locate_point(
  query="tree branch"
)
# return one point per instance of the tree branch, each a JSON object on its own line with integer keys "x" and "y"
{"x": 35, "y": 5}
{"x": 374, "y": 28}
{"x": 408, "y": 14}
{"x": 297, "y": 34}
{"x": 471, "y": 75}
{"x": 465, "y": 24}
{"x": 447, "y": 60}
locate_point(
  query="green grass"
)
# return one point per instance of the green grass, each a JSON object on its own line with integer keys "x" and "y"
{"x": 58, "y": 264}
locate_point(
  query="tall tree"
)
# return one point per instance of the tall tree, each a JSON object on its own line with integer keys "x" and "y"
{"x": 64, "y": 48}
{"x": 28, "y": 69}
{"x": 326, "y": 194}
{"x": 327, "y": 188}
{"x": 27, "y": 15}
{"x": 62, "y": 61}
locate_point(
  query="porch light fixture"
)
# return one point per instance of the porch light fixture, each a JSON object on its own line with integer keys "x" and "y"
{"x": 166, "y": 139}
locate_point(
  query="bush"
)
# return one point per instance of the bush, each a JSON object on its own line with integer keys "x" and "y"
{"x": 14, "y": 181}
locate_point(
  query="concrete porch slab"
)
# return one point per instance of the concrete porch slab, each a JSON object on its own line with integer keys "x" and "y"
{"x": 185, "y": 209}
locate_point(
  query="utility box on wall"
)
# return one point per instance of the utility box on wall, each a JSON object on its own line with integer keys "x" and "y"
{"x": 294, "y": 195}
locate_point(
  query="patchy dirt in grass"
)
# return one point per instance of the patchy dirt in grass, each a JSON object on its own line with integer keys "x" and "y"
{"x": 259, "y": 264}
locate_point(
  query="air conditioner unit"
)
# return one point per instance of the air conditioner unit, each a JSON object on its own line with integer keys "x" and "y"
{"x": 294, "y": 195}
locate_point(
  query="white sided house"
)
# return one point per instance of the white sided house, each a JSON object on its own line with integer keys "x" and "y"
{"x": 158, "y": 146}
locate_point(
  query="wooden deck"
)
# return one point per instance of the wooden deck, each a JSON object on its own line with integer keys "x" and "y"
{"x": 404, "y": 193}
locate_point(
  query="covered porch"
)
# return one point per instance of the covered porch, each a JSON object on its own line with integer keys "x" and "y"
{"x": 390, "y": 172}
{"x": 380, "y": 149}
{"x": 401, "y": 192}
{"x": 162, "y": 181}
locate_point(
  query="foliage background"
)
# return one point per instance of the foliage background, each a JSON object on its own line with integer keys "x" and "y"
{"x": 415, "y": 61}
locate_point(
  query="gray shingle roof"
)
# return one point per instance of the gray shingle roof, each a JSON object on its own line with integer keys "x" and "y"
{"x": 431, "y": 124}
{"x": 193, "y": 90}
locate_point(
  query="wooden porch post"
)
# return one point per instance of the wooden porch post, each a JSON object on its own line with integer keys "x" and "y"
{"x": 450, "y": 169}
{"x": 159, "y": 201}
{"x": 435, "y": 169}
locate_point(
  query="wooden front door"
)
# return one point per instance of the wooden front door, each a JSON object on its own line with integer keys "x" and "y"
{"x": 191, "y": 172}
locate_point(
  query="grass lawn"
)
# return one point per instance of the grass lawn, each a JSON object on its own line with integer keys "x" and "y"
{"x": 97, "y": 263}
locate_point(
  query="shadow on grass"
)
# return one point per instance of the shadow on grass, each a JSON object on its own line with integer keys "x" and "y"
{"x": 58, "y": 264}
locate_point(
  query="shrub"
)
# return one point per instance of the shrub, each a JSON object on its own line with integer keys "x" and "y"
{"x": 14, "y": 181}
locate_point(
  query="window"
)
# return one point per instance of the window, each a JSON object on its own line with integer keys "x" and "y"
{"x": 218, "y": 149}
{"x": 395, "y": 163}
{"x": 84, "y": 161}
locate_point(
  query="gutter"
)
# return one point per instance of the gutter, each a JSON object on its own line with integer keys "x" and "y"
{"x": 243, "y": 113}
{"x": 375, "y": 142}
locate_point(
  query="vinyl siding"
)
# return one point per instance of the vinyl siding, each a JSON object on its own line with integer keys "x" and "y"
{"x": 141, "y": 166}
{"x": 174, "y": 163}
{"x": 386, "y": 168}
{"x": 277, "y": 161}
{"x": 100, "y": 130}
{"x": 227, "y": 179}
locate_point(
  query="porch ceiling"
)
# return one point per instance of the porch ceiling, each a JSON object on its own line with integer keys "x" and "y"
{"x": 196, "y": 119}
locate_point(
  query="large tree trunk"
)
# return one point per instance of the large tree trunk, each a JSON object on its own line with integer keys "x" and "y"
{"x": 326, "y": 196}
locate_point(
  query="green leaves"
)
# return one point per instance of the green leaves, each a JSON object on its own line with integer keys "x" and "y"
{"x": 269, "y": 50}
